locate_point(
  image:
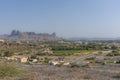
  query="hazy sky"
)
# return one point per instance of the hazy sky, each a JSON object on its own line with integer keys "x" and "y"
{"x": 68, "y": 18}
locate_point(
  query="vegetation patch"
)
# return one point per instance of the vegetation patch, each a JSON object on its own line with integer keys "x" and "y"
{"x": 114, "y": 53}
{"x": 90, "y": 58}
{"x": 70, "y": 52}
{"x": 10, "y": 70}
{"x": 118, "y": 62}
{"x": 72, "y": 65}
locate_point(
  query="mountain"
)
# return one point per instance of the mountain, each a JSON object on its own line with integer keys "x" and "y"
{"x": 30, "y": 36}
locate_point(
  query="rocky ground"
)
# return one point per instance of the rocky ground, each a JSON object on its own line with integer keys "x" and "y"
{"x": 93, "y": 72}
{"x": 96, "y": 69}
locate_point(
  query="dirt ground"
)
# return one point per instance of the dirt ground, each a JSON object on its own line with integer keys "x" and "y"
{"x": 92, "y": 71}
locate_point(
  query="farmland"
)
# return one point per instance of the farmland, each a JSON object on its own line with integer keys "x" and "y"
{"x": 68, "y": 52}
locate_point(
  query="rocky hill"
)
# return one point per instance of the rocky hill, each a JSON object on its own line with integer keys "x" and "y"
{"x": 31, "y": 36}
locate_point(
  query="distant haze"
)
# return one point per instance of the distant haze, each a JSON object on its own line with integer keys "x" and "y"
{"x": 68, "y": 18}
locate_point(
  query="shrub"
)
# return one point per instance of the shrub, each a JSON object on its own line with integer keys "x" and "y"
{"x": 9, "y": 70}
{"x": 117, "y": 76}
{"x": 113, "y": 54}
{"x": 8, "y": 53}
{"x": 59, "y": 65}
{"x": 33, "y": 56}
{"x": 72, "y": 65}
{"x": 109, "y": 61}
{"x": 46, "y": 59}
{"x": 90, "y": 58}
{"x": 118, "y": 62}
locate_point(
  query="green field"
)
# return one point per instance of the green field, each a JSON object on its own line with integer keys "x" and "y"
{"x": 60, "y": 52}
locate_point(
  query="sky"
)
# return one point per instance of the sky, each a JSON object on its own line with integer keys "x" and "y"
{"x": 68, "y": 18}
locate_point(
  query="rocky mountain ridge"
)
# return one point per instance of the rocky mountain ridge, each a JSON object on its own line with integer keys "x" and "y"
{"x": 18, "y": 35}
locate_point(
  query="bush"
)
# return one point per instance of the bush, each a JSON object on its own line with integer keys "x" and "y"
{"x": 46, "y": 60}
{"x": 59, "y": 65}
{"x": 117, "y": 76}
{"x": 8, "y": 53}
{"x": 9, "y": 70}
{"x": 109, "y": 61}
{"x": 90, "y": 58}
{"x": 33, "y": 56}
{"x": 118, "y": 62}
{"x": 72, "y": 65}
{"x": 113, "y": 54}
